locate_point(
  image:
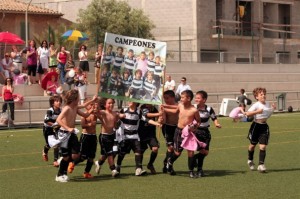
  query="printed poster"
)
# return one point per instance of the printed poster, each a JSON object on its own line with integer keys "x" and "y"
{"x": 132, "y": 69}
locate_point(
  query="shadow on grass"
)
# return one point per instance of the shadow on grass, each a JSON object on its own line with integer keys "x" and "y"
{"x": 212, "y": 173}
{"x": 282, "y": 170}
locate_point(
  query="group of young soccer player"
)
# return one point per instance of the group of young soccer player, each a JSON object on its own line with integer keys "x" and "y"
{"x": 184, "y": 126}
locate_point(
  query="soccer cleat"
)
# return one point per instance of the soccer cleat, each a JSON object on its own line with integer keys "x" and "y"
{"x": 45, "y": 156}
{"x": 251, "y": 165}
{"x": 140, "y": 172}
{"x": 151, "y": 168}
{"x": 55, "y": 164}
{"x": 200, "y": 174}
{"x": 261, "y": 168}
{"x": 71, "y": 167}
{"x": 87, "y": 175}
{"x": 97, "y": 167}
{"x": 63, "y": 178}
{"x": 114, "y": 173}
{"x": 192, "y": 175}
{"x": 118, "y": 168}
{"x": 170, "y": 169}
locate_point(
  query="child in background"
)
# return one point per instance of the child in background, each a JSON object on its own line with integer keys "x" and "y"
{"x": 151, "y": 62}
{"x": 118, "y": 60}
{"x": 142, "y": 63}
{"x": 158, "y": 72}
{"x": 108, "y": 57}
{"x": 259, "y": 131}
{"x": 52, "y": 85}
{"x": 149, "y": 87}
{"x": 81, "y": 84}
{"x": 114, "y": 83}
{"x": 129, "y": 62}
{"x": 238, "y": 113}
{"x": 49, "y": 126}
{"x": 136, "y": 85}
{"x": 104, "y": 78}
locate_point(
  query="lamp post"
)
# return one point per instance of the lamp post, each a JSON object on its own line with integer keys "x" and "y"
{"x": 26, "y": 22}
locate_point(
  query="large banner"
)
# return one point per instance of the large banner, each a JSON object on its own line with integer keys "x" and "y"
{"x": 132, "y": 69}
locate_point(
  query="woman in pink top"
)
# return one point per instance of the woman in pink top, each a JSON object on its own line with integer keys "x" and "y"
{"x": 31, "y": 62}
{"x": 52, "y": 85}
{"x": 238, "y": 113}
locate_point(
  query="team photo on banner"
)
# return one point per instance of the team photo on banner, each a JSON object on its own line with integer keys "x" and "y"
{"x": 132, "y": 69}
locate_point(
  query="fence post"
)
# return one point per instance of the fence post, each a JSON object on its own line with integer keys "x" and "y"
{"x": 29, "y": 107}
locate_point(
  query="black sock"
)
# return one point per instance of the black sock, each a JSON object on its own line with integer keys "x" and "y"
{"x": 46, "y": 148}
{"x": 191, "y": 163}
{"x": 250, "y": 155}
{"x": 56, "y": 152}
{"x": 101, "y": 162}
{"x": 77, "y": 161}
{"x": 200, "y": 161}
{"x": 138, "y": 162}
{"x": 63, "y": 167}
{"x": 262, "y": 156}
{"x": 173, "y": 158}
{"x": 112, "y": 167}
{"x": 88, "y": 167}
{"x": 168, "y": 154}
{"x": 120, "y": 159}
{"x": 152, "y": 158}
{"x": 196, "y": 156}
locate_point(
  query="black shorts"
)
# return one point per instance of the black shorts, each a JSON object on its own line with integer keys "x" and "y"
{"x": 53, "y": 66}
{"x": 152, "y": 142}
{"x": 31, "y": 70}
{"x": 203, "y": 135}
{"x": 48, "y": 131}
{"x": 88, "y": 146}
{"x": 178, "y": 140}
{"x": 168, "y": 132}
{"x": 84, "y": 65}
{"x": 107, "y": 142}
{"x": 73, "y": 146}
{"x": 127, "y": 145}
{"x": 259, "y": 133}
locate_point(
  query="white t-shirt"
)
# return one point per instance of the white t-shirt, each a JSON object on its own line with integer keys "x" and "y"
{"x": 169, "y": 85}
{"x": 182, "y": 87}
{"x": 267, "y": 110}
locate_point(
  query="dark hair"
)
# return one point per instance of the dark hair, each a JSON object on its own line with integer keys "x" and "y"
{"x": 258, "y": 90}
{"x": 188, "y": 93}
{"x": 242, "y": 91}
{"x": 54, "y": 98}
{"x": 183, "y": 78}
{"x": 130, "y": 50}
{"x": 103, "y": 101}
{"x": 46, "y": 44}
{"x": 120, "y": 48}
{"x": 203, "y": 94}
{"x": 170, "y": 93}
{"x": 51, "y": 43}
{"x": 11, "y": 81}
{"x": 82, "y": 46}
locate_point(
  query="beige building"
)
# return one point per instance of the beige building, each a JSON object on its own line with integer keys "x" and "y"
{"x": 256, "y": 31}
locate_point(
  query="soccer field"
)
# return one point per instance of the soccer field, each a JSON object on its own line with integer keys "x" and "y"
{"x": 23, "y": 173}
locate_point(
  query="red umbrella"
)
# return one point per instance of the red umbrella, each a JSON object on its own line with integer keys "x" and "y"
{"x": 10, "y": 38}
{"x": 47, "y": 78}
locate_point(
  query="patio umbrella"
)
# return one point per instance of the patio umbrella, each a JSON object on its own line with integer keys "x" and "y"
{"x": 47, "y": 78}
{"x": 75, "y": 35}
{"x": 10, "y": 38}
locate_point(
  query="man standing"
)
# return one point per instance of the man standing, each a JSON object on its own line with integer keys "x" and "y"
{"x": 170, "y": 84}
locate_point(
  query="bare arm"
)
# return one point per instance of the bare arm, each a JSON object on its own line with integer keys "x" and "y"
{"x": 217, "y": 124}
{"x": 84, "y": 114}
{"x": 60, "y": 118}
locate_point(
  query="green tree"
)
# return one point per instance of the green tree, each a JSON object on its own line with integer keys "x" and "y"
{"x": 115, "y": 17}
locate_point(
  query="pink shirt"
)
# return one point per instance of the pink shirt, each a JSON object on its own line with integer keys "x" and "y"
{"x": 19, "y": 79}
{"x": 53, "y": 88}
{"x": 234, "y": 113}
{"x": 142, "y": 65}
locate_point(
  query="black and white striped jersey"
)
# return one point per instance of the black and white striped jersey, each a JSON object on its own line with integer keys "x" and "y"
{"x": 149, "y": 86}
{"x": 151, "y": 65}
{"x": 51, "y": 116}
{"x": 205, "y": 114}
{"x": 108, "y": 58}
{"x": 158, "y": 69}
{"x": 118, "y": 61}
{"x": 129, "y": 63}
{"x": 131, "y": 120}
{"x": 126, "y": 83}
{"x": 137, "y": 83}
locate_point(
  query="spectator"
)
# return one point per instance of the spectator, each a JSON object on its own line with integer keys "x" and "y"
{"x": 83, "y": 59}
{"x": 170, "y": 84}
{"x": 242, "y": 99}
{"x": 19, "y": 78}
{"x": 53, "y": 57}
{"x": 62, "y": 60}
{"x": 7, "y": 95}
{"x": 98, "y": 57}
{"x": 31, "y": 62}
{"x": 16, "y": 58}
{"x": 7, "y": 65}
{"x": 182, "y": 86}
{"x": 52, "y": 85}
{"x": 43, "y": 54}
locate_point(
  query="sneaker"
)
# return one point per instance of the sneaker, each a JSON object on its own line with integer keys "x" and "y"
{"x": 63, "y": 178}
{"x": 45, "y": 156}
{"x": 251, "y": 165}
{"x": 140, "y": 172}
{"x": 261, "y": 168}
{"x": 170, "y": 169}
{"x": 192, "y": 175}
{"x": 151, "y": 168}
{"x": 200, "y": 174}
{"x": 71, "y": 167}
{"x": 114, "y": 173}
{"x": 55, "y": 164}
{"x": 97, "y": 167}
{"x": 87, "y": 175}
